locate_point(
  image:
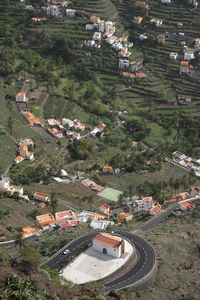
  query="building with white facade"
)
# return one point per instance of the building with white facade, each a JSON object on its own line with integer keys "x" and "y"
{"x": 70, "y": 12}
{"x": 188, "y": 54}
{"x": 109, "y": 244}
{"x": 4, "y": 184}
{"x": 53, "y": 10}
{"x": 21, "y": 97}
{"x": 97, "y": 36}
{"x": 144, "y": 204}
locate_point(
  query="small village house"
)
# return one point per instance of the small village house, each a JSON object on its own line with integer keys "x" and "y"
{"x": 19, "y": 159}
{"x": 123, "y": 63}
{"x": 173, "y": 55}
{"x": 137, "y": 20}
{"x": 188, "y": 54}
{"x": 160, "y": 39}
{"x": 144, "y": 204}
{"x": 197, "y": 43}
{"x": 29, "y": 230}
{"x": 97, "y": 36}
{"x": 33, "y": 121}
{"x": 123, "y": 216}
{"x": 55, "y": 133}
{"x": 25, "y": 153}
{"x": 156, "y": 22}
{"x": 107, "y": 169}
{"x": 142, "y": 5}
{"x": 95, "y": 19}
{"x": 128, "y": 75}
{"x": 41, "y": 197}
{"x": 186, "y": 205}
{"x": 21, "y": 97}
{"x": 184, "y": 67}
{"x": 178, "y": 156}
{"x": 53, "y": 10}
{"x": 109, "y": 244}
{"x": 39, "y": 20}
{"x": 89, "y": 27}
{"x": 103, "y": 224}
{"x": 70, "y": 12}
{"x": 4, "y": 183}
{"x": 105, "y": 209}
{"x": 65, "y": 215}
{"x": 165, "y": 1}
{"x": 45, "y": 220}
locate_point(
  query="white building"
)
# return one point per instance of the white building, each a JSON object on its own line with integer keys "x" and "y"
{"x": 123, "y": 63}
{"x": 144, "y": 204}
{"x": 165, "y": 1}
{"x": 110, "y": 26}
{"x": 117, "y": 46}
{"x": 101, "y": 224}
{"x": 173, "y": 55}
{"x": 178, "y": 156}
{"x": 97, "y": 36}
{"x": 4, "y": 184}
{"x": 21, "y": 97}
{"x": 67, "y": 122}
{"x": 70, "y": 12}
{"x": 156, "y": 22}
{"x": 143, "y": 37}
{"x": 89, "y": 44}
{"x": 101, "y": 26}
{"x": 53, "y": 11}
{"x": 109, "y": 244}
{"x": 89, "y": 26}
{"x": 188, "y": 54}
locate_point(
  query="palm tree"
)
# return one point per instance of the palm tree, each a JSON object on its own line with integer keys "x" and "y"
{"x": 19, "y": 241}
{"x": 10, "y": 125}
{"x": 171, "y": 184}
{"x": 53, "y": 204}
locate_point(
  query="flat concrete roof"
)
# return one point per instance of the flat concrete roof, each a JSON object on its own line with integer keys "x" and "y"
{"x": 92, "y": 265}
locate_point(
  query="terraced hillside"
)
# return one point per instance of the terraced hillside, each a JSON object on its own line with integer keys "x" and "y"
{"x": 102, "y": 8}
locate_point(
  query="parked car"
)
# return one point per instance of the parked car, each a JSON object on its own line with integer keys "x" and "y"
{"x": 66, "y": 251}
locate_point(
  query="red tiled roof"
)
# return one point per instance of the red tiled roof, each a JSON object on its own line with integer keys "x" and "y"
{"x": 64, "y": 215}
{"x": 107, "y": 168}
{"x": 41, "y": 196}
{"x": 184, "y": 63}
{"x": 188, "y": 204}
{"x": 105, "y": 208}
{"x": 108, "y": 239}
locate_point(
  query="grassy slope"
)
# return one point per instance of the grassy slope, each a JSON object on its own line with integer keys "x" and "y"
{"x": 175, "y": 242}
{"x": 167, "y": 171}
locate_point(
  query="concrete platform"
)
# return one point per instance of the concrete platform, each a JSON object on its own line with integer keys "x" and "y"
{"x": 93, "y": 265}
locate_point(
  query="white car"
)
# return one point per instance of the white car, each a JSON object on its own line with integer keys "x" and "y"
{"x": 66, "y": 251}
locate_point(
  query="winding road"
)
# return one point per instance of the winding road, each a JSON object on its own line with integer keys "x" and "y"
{"x": 143, "y": 267}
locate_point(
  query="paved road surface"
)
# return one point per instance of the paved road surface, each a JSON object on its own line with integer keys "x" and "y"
{"x": 145, "y": 263}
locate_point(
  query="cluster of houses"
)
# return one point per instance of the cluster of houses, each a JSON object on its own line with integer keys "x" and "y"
{"x": 188, "y": 55}
{"x": 106, "y": 30}
{"x": 102, "y": 29}
{"x": 63, "y": 219}
{"x": 52, "y": 8}
{"x": 73, "y": 129}
{"x": 187, "y": 162}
